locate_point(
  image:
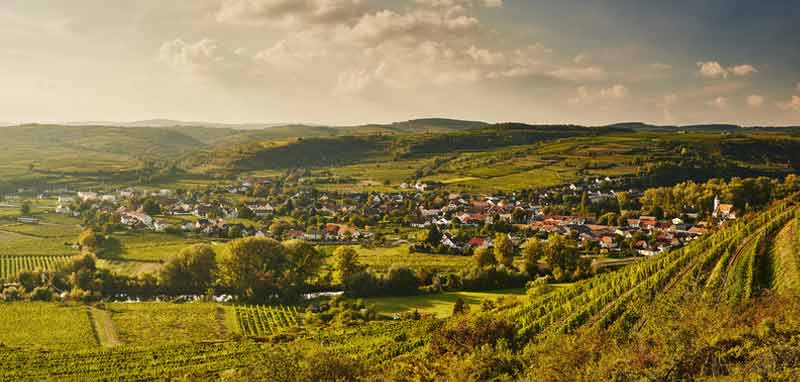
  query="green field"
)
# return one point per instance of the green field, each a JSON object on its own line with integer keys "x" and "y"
{"x": 158, "y": 323}
{"x": 45, "y": 325}
{"x": 383, "y": 258}
{"x": 440, "y": 304}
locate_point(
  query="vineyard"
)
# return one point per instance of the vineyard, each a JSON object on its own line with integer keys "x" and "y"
{"x": 373, "y": 344}
{"x": 10, "y": 266}
{"x": 729, "y": 267}
{"x": 260, "y": 320}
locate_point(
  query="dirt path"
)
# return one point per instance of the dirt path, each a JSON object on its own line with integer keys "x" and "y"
{"x": 104, "y": 327}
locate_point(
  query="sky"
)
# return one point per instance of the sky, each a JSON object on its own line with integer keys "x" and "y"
{"x": 375, "y": 61}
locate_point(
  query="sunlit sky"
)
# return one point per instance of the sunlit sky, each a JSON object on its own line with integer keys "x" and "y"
{"x": 362, "y": 61}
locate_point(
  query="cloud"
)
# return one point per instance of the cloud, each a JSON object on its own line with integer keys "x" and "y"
{"x": 743, "y": 70}
{"x": 614, "y": 92}
{"x": 792, "y": 105}
{"x": 585, "y": 95}
{"x": 578, "y": 74}
{"x": 755, "y": 100}
{"x": 713, "y": 69}
{"x": 188, "y": 57}
{"x": 660, "y": 66}
{"x": 289, "y": 12}
{"x": 492, "y": 3}
{"x": 719, "y": 102}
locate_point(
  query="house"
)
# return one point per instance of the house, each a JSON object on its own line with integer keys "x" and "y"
{"x": 137, "y": 220}
{"x": 723, "y": 211}
{"x": 607, "y": 242}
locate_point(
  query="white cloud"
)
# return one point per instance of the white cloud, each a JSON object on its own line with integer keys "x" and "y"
{"x": 719, "y": 102}
{"x": 713, "y": 69}
{"x": 289, "y": 12}
{"x": 791, "y": 105}
{"x": 743, "y": 70}
{"x": 578, "y": 74}
{"x": 755, "y": 100}
{"x": 585, "y": 95}
{"x": 188, "y": 57}
{"x": 492, "y": 3}
{"x": 581, "y": 58}
{"x": 614, "y": 92}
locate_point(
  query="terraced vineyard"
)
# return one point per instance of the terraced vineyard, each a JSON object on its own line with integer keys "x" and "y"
{"x": 729, "y": 267}
{"x": 10, "y": 266}
{"x": 261, "y": 320}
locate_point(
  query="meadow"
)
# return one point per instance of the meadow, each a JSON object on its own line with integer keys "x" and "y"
{"x": 439, "y": 304}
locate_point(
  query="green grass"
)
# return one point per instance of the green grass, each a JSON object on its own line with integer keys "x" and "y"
{"x": 157, "y": 323}
{"x": 45, "y": 325}
{"x": 145, "y": 246}
{"x": 440, "y": 304}
{"x": 15, "y": 244}
{"x": 383, "y": 258}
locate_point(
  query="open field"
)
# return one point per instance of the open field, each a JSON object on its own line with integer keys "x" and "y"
{"x": 383, "y": 258}
{"x": 440, "y": 304}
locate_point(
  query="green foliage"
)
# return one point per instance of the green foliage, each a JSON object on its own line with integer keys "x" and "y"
{"x": 504, "y": 250}
{"x": 189, "y": 271}
{"x": 483, "y": 257}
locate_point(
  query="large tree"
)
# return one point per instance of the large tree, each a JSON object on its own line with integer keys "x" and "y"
{"x": 504, "y": 250}
{"x": 191, "y": 270}
{"x": 254, "y": 268}
{"x": 561, "y": 255}
{"x": 532, "y": 251}
{"x": 483, "y": 257}
{"x": 345, "y": 265}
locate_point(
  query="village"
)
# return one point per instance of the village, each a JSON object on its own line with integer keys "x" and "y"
{"x": 463, "y": 221}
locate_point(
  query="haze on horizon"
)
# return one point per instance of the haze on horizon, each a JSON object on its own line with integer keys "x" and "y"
{"x": 359, "y": 61}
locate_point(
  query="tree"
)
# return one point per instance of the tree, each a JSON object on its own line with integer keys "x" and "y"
{"x": 584, "y": 207}
{"x": 532, "y": 251}
{"x": 254, "y": 267}
{"x": 460, "y": 307}
{"x": 504, "y": 250}
{"x": 244, "y": 211}
{"x": 88, "y": 240}
{"x": 25, "y": 208}
{"x": 401, "y": 281}
{"x": 562, "y": 257}
{"x": 434, "y": 237}
{"x": 305, "y": 260}
{"x": 191, "y": 270}
{"x": 345, "y": 264}
{"x": 151, "y": 207}
{"x": 483, "y": 257}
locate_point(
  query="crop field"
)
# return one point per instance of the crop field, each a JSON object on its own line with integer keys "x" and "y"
{"x": 15, "y": 244}
{"x": 261, "y": 320}
{"x": 45, "y": 325}
{"x": 149, "y": 323}
{"x": 11, "y": 265}
{"x": 726, "y": 267}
